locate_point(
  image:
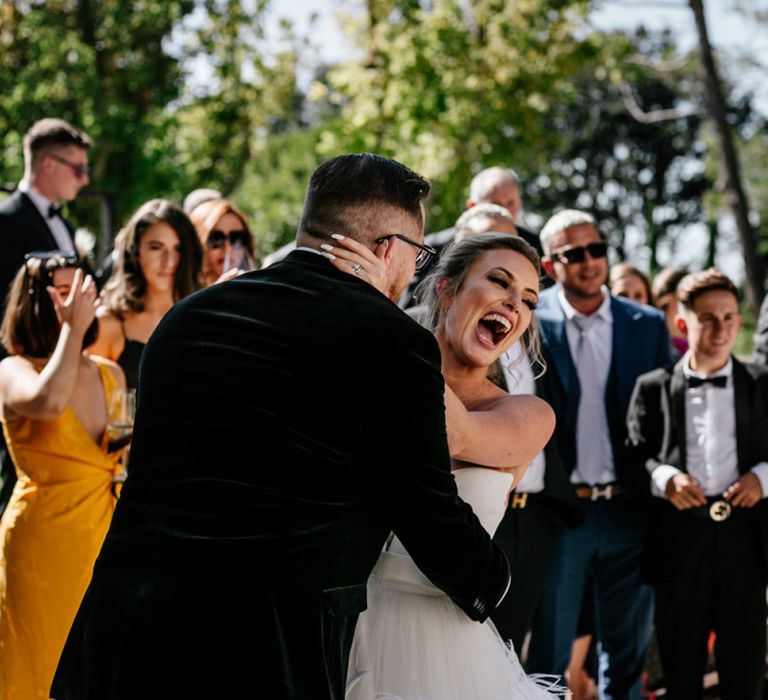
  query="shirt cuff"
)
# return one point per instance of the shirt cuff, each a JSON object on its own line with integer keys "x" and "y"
{"x": 761, "y": 472}
{"x": 659, "y": 478}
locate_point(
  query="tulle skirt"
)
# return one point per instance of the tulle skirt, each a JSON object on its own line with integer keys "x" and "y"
{"x": 414, "y": 643}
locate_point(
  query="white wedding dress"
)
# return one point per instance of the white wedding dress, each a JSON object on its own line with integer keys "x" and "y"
{"x": 414, "y": 643}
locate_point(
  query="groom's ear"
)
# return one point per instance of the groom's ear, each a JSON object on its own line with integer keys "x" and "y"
{"x": 383, "y": 250}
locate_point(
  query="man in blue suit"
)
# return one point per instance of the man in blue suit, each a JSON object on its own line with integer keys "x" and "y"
{"x": 595, "y": 346}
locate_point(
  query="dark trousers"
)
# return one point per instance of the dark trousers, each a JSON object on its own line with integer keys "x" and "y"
{"x": 526, "y": 535}
{"x": 716, "y": 581}
{"x": 606, "y": 548}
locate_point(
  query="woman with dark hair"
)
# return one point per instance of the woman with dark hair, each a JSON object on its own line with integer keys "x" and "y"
{"x": 158, "y": 263}
{"x": 413, "y": 641}
{"x": 54, "y": 407}
{"x": 226, "y": 239}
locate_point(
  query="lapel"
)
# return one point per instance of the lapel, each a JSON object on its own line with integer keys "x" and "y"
{"x": 677, "y": 392}
{"x": 741, "y": 399}
{"x": 43, "y": 239}
{"x": 560, "y": 353}
{"x": 622, "y": 374}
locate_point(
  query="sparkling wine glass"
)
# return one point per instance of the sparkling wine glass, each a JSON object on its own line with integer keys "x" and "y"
{"x": 120, "y": 427}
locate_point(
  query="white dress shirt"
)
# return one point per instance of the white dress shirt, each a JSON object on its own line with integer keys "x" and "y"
{"x": 55, "y": 224}
{"x": 518, "y": 376}
{"x": 710, "y": 437}
{"x": 600, "y": 469}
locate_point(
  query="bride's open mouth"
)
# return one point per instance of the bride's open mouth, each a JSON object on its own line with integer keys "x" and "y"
{"x": 493, "y": 328}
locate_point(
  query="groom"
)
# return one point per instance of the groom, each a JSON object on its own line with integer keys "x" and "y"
{"x": 288, "y": 421}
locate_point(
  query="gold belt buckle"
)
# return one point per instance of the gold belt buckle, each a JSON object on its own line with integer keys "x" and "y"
{"x": 519, "y": 500}
{"x": 719, "y": 511}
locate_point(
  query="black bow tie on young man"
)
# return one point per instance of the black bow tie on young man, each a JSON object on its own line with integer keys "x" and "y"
{"x": 54, "y": 210}
{"x": 720, "y": 382}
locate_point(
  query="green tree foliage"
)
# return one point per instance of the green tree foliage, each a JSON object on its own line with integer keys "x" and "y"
{"x": 630, "y": 174}
{"x": 449, "y": 87}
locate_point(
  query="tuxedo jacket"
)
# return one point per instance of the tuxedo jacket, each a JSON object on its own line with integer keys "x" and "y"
{"x": 640, "y": 344}
{"x": 287, "y": 422}
{"x": 657, "y": 435}
{"x": 22, "y": 230}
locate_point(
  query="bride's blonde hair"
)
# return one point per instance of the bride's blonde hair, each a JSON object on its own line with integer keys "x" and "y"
{"x": 453, "y": 266}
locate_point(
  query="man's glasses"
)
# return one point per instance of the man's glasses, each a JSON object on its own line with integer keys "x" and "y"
{"x": 79, "y": 169}
{"x": 217, "y": 239}
{"x": 425, "y": 252}
{"x": 578, "y": 253}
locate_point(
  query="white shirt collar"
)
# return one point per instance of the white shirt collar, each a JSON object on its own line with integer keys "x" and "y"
{"x": 603, "y": 312}
{"x": 40, "y": 201}
{"x": 725, "y": 371}
{"x": 309, "y": 250}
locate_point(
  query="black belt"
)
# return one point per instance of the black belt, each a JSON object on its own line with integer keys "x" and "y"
{"x": 717, "y": 510}
{"x": 598, "y": 492}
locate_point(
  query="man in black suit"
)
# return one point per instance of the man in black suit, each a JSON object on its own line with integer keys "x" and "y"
{"x": 55, "y": 170}
{"x": 698, "y": 437}
{"x": 287, "y": 422}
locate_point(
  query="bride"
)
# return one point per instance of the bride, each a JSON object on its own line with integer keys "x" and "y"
{"x": 413, "y": 642}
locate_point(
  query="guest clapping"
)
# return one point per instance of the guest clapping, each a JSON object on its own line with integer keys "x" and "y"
{"x": 53, "y": 405}
{"x": 158, "y": 263}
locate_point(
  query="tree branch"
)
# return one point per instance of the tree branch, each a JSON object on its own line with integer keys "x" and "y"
{"x": 657, "y": 115}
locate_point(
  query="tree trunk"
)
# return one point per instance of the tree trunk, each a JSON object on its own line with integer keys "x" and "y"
{"x": 735, "y": 193}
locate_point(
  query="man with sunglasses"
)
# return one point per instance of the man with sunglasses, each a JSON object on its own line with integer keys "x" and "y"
{"x": 595, "y": 347}
{"x": 55, "y": 169}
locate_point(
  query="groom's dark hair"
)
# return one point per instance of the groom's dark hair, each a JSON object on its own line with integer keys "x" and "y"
{"x": 344, "y": 186}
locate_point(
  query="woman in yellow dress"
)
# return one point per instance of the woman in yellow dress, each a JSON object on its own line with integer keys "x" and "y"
{"x": 54, "y": 403}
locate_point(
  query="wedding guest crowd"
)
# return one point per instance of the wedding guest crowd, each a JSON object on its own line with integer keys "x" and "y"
{"x": 645, "y": 510}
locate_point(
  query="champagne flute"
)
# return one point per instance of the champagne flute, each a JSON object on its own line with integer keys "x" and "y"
{"x": 120, "y": 427}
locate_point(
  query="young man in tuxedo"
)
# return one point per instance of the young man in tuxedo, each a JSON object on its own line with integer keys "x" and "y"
{"x": 698, "y": 435}
{"x": 595, "y": 347}
{"x": 55, "y": 170}
{"x": 287, "y": 421}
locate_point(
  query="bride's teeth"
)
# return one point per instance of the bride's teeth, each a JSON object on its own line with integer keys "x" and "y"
{"x": 499, "y": 319}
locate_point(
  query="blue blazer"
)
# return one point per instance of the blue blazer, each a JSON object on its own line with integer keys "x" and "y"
{"x": 640, "y": 344}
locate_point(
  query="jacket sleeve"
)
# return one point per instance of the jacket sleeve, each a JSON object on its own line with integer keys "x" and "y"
{"x": 645, "y": 430}
{"x": 414, "y": 487}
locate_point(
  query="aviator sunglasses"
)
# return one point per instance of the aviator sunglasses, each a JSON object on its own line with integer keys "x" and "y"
{"x": 577, "y": 254}
{"x": 217, "y": 239}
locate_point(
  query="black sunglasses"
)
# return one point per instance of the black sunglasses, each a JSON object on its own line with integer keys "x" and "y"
{"x": 217, "y": 239}
{"x": 80, "y": 170}
{"x": 425, "y": 252}
{"x": 577, "y": 254}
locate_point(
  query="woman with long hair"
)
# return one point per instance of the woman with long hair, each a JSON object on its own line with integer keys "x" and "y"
{"x": 158, "y": 263}
{"x": 54, "y": 403}
{"x": 412, "y": 641}
{"x": 226, "y": 238}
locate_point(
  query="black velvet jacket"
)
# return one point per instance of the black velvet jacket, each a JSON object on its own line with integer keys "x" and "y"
{"x": 287, "y": 421}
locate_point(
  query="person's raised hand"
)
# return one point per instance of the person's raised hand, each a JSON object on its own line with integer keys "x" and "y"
{"x": 78, "y": 309}
{"x": 683, "y": 492}
{"x": 745, "y": 492}
{"x": 352, "y": 257}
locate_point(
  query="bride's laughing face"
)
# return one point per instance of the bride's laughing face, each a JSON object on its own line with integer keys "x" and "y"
{"x": 492, "y": 308}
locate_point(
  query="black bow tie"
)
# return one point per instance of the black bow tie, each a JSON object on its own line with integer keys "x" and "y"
{"x": 54, "y": 210}
{"x": 720, "y": 382}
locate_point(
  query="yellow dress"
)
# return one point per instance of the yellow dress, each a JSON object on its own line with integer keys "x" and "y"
{"x": 50, "y": 535}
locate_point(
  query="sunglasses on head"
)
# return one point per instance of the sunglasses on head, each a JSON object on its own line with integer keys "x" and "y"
{"x": 61, "y": 258}
{"x": 217, "y": 239}
{"x": 578, "y": 253}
